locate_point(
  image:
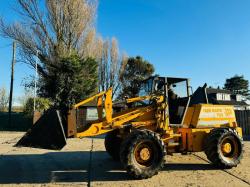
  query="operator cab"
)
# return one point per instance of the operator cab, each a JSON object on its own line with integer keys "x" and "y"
{"x": 176, "y": 92}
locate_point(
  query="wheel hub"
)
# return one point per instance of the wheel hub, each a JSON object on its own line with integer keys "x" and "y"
{"x": 226, "y": 148}
{"x": 145, "y": 154}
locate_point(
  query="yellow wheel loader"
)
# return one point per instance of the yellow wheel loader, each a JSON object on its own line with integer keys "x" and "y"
{"x": 163, "y": 119}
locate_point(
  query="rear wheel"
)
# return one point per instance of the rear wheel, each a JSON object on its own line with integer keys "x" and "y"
{"x": 112, "y": 144}
{"x": 142, "y": 154}
{"x": 224, "y": 148}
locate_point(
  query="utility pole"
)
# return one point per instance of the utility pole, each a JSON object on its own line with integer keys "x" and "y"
{"x": 12, "y": 80}
{"x": 34, "y": 107}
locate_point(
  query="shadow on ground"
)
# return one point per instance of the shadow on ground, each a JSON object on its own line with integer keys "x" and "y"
{"x": 70, "y": 167}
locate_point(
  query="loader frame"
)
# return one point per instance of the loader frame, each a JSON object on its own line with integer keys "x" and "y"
{"x": 155, "y": 123}
{"x": 187, "y": 136}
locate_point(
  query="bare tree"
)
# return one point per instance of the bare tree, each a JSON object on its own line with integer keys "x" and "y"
{"x": 4, "y": 99}
{"x": 57, "y": 32}
{"x": 62, "y": 36}
{"x": 111, "y": 65}
{"x": 64, "y": 28}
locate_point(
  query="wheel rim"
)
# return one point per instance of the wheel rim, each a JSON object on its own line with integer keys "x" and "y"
{"x": 144, "y": 153}
{"x": 229, "y": 148}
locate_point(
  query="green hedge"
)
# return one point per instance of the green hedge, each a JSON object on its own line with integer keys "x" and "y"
{"x": 20, "y": 122}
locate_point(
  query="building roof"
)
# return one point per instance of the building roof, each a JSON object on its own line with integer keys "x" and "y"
{"x": 213, "y": 90}
{"x": 233, "y": 101}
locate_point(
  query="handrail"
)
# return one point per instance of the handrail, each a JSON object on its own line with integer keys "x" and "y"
{"x": 88, "y": 100}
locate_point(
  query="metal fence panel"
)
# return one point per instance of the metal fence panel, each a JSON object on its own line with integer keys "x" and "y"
{"x": 243, "y": 120}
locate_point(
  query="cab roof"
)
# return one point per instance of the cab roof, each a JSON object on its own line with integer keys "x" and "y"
{"x": 170, "y": 80}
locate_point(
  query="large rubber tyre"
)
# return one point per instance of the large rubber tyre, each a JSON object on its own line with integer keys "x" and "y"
{"x": 142, "y": 154}
{"x": 112, "y": 144}
{"x": 224, "y": 148}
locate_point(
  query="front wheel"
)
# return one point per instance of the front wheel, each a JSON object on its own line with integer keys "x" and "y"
{"x": 224, "y": 148}
{"x": 142, "y": 154}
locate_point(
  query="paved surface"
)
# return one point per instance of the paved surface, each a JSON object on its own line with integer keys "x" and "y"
{"x": 85, "y": 163}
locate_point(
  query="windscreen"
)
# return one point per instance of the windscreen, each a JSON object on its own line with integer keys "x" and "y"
{"x": 180, "y": 89}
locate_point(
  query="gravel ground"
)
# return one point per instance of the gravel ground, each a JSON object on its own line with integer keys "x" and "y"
{"x": 84, "y": 162}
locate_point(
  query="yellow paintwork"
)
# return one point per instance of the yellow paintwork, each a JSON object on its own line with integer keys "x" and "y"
{"x": 193, "y": 139}
{"x": 207, "y": 115}
{"x": 198, "y": 121}
{"x": 135, "y": 99}
{"x": 226, "y": 148}
{"x": 117, "y": 121}
{"x": 99, "y": 107}
{"x": 145, "y": 154}
{"x": 108, "y": 105}
{"x": 140, "y": 116}
{"x": 94, "y": 130}
{"x": 239, "y": 131}
{"x": 88, "y": 100}
{"x": 188, "y": 117}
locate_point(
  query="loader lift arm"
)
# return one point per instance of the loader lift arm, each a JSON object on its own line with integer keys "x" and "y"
{"x": 113, "y": 121}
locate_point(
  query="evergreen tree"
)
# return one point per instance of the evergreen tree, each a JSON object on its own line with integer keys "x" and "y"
{"x": 136, "y": 70}
{"x": 238, "y": 85}
{"x": 73, "y": 81}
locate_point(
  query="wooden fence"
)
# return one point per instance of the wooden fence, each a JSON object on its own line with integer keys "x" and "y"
{"x": 243, "y": 120}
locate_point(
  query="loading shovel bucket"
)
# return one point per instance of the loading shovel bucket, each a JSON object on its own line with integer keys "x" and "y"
{"x": 46, "y": 133}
